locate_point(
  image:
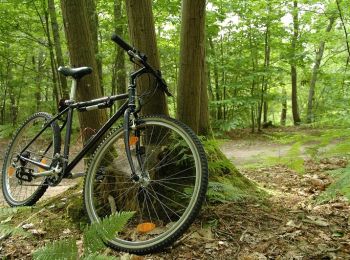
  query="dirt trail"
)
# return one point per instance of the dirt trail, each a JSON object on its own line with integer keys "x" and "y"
{"x": 243, "y": 152}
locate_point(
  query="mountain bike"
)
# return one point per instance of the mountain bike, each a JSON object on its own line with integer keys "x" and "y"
{"x": 154, "y": 165}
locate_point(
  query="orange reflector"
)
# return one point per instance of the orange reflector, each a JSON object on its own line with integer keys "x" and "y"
{"x": 43, "y": 161}
{"x": 145, "y": 227}
{"x": 133, "y": 140}
{"x": 11, "y": 171}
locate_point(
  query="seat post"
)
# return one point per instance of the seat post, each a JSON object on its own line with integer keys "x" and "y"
{"x": 73, "y": 90}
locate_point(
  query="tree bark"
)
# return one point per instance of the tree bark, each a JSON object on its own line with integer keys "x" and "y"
{"x": 119, "y": 74}
{"x": 55, "y": 90}
{"x": 284, "y": 107}
{"x": 93, "y": 23}
{"x": 316, "y": 67}
{"x": 216, "y": 81}
{"x": 346, "y": 41}
{"x": 58, "y": 49}
{"x": 77, "y": 32}
{"x": 293, "y": 68}
{"x": 192, "y": 51}
{"x": 143, "y": 37}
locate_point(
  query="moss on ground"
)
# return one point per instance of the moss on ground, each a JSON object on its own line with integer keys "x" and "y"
{"x": 226, "y": 183}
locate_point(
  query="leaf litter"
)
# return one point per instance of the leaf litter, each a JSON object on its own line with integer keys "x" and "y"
{"x": 289, "y": 224}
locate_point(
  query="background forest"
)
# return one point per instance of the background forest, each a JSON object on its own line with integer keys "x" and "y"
{"x": 274, "y": 67}
{"x": 280, "y": 61}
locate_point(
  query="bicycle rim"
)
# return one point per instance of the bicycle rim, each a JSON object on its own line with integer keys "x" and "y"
{"x": 18, "y": 192}
{"x": 164, "y": 201}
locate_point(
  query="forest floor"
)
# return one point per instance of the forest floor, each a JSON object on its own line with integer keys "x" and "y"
{"x": 296, "y": 221}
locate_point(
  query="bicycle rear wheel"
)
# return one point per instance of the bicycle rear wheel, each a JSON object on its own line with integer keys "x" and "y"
{"x": 19, "y": 192}
{"x": 172, "y": 167}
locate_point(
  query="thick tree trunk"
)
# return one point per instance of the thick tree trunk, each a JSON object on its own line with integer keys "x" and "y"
{"x": 93, "y": 23}
{"x": 78, "y": 32}
{"x": 58, "y": 49}
{"x": 192, "y": 51}
{"x": 119, "y": 74}
{"x": 293, "y": 68}
{"x": 143, "y": 37}
{"x": 317, "y": 63}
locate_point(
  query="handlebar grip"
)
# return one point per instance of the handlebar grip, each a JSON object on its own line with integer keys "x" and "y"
{"x": 121, "y": 43}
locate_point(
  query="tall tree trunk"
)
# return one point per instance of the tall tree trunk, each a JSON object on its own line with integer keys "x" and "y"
{"x": 119, "y": 75}
{"x": 216, "y": 81}
{"x": 93, "y": 23}
{"x": 192, "y": 51}
{"x": 39, "y": 67}
{"x": 143, "y": 37}
{"x": 293, "y": 67}
{"x": 254, "y": 61}
{"x": 55, "y": 88}
{"x": 58, "y": 49}
{"x": 7, "y": 82}
{"x": 204, "y": 124}
{"x": 19, "y": 96}
{"x": 284, "y": 107}
{"x": 346, "y": 41}
{"x": 317, "y": 63}
{"x": 77, "y": 32}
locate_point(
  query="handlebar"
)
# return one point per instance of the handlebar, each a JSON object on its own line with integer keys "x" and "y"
{"x": 121, "y": 43}
{"x": 136, "y": 55}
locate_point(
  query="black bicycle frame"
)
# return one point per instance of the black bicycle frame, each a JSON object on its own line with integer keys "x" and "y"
{"x": 81, "y": 106}
{"x": 127, "y": 108}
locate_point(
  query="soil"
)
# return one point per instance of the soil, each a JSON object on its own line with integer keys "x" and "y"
{"x": 289, "y": 224}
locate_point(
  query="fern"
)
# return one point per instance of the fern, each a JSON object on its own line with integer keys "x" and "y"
{"x": 64, "y": 249}
{"x": 4, "y": 212}
{"x": 223, "y": 191}
{"x": 8, "y": 230}
{"x": 104, "y": 230}
{"x": 94, "y": 237}
{"x": 340, "y": 186}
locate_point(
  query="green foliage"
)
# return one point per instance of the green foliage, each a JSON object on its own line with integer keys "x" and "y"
{"x": 106, "y": 230}
{"x": 8, "y": 229}
{"x": 62, "y": 249}
{"x": 340, "y": 186}
{"x": 6, "y": 215}
{"x": 94, "y": 237}
{"x": 314, "y": 144}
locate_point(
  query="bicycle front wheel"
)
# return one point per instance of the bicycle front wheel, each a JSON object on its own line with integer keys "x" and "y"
{"x": 173, "y": 176}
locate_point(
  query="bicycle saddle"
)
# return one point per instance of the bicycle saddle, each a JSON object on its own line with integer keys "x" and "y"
{"x": 76, "y": 73}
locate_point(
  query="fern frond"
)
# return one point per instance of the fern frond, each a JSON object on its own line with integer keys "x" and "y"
{"x": 7, "y": 229}
{"x": 4, "y": 212}
{"x": 63, "y": 249}
{"x": 98, "y": 232}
